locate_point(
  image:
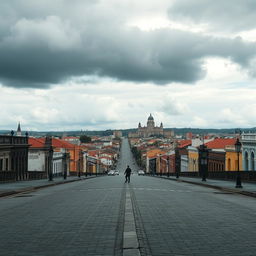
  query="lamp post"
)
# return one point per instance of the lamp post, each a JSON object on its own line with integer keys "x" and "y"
{"x": 50, "y": 162}
{"x": 65, "y": 165}
{"x": 203, "y": 161}
{"x": 177, "y": 163}
{"x": 80, "y": 163}
{"x": 238, "y": 146}
{"x": 160, "y": 165}
{"x": 86, "y": 164}
{"x": 168, "y": 163}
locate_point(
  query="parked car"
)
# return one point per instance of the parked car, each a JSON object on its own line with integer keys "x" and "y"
{"x": 111, "y": 173}
{"x": 141, "y": 172}
{"x": 116, "y": 172}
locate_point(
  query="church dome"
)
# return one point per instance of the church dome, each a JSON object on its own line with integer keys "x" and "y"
{"x": 150, "y": 117}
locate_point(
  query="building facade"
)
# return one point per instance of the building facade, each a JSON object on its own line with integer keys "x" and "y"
{"x": 13, "y": 157}
{"x": 150, "y": 130}
{"x": 216, "y": 160}
{"x": 193, "y": 157}
{"x": 231, "y": 161}
{"x": 248, "y": 151}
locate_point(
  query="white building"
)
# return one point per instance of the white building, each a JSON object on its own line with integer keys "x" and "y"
{"x": 184, "y": 163}
{"x": 248, "y": 151}
{"x": 37, "y": 156}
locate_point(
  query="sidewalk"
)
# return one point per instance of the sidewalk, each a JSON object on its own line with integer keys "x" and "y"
{"x": 249, "y": 189}
{"x": 11, "y": 188}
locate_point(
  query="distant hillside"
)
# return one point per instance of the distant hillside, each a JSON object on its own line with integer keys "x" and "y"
{"x": 178, "y": 131}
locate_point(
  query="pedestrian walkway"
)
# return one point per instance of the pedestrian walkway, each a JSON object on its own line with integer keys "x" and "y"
{"x": 248, "y": 189}
{"x": 11, "y": 188}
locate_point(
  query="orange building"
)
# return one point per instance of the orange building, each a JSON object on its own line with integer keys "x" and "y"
{"x": 229, "y": 160}
{"x": 232, "y": 159}
{"x": 153, "y": 160}
{"x": 75, "y": 153}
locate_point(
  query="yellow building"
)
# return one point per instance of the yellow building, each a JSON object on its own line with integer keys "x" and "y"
{"x": 231, "y": 160}
{"x": 193, "y": 157}
{"x": 154, "y": 154}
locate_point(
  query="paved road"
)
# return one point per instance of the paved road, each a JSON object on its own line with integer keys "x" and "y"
{"x": 87, "y": 218}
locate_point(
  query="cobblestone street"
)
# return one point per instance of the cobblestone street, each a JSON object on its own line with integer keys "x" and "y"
{"x": 105, "y": 216}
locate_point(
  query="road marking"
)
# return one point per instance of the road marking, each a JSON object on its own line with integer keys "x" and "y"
{"x": 98, "y": 189}
{"x": 130, "y": 239}
{"x": 163, "y": 190}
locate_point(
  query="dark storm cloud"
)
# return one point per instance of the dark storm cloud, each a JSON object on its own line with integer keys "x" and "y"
{"x": 228, "y": 15}
{"x": 43, "y": 49}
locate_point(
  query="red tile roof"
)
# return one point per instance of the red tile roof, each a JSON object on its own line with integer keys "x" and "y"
{"x": 35, "y": 142}
{"x": 184, "y": 143}
{"x": 56, "y": 143}
{"x": 220, "y": 143}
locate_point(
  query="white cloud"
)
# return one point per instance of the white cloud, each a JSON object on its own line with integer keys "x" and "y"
{"x": 89, "y": 51}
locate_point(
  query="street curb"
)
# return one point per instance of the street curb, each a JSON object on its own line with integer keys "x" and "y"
{"x": 33, "y": 188}
{"x": 234, "y": 191}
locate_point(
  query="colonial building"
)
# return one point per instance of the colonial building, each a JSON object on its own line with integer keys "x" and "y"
{"x": 39, "y": 158}
{"x": 13, "y": 157}
{"x": 150, "y": 130}
{"x": 249, "y": 151}
{"x": 232, "y": 159}
{"x": 221, "y": 155}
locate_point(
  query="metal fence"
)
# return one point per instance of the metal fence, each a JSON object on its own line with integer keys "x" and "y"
{"x": 223, "y": 175}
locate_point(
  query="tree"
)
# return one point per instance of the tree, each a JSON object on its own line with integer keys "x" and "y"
{"x": 137, "y": 155}
{"x": 85, "y": 139}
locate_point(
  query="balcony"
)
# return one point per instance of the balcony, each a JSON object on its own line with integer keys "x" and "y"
{"x": 10, "y": 140}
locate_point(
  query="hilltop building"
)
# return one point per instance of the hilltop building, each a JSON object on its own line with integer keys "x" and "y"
{"x": 150, "y": 130}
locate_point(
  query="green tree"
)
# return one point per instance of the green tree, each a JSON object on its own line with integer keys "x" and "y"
{"x": 137, "y": 155}
{"x": 85, "y": 139}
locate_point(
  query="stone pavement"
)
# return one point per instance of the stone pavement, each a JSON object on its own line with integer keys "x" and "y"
{"x": 76, "y": 218}
{"x": 248, "y": 189}
{"x": 147, "y": 217}
{"x": 12, "y": 188}
{"x": 181, "y": 219}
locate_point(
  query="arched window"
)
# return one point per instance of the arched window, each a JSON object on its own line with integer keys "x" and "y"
{"x": 252, "y": 161}
{"x": 246, "y": 163}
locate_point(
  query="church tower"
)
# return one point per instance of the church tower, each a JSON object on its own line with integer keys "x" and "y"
{"x": 18, "y": 130}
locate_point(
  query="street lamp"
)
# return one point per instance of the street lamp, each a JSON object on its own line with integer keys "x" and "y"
{"x": 238, "y": 146}
{"x": 65, "y": 165}
{"x": 203, "y": 161}
{"x": 177, "y": 163}
{"x": 160, "y": 165}
{"x": 50, "y": 162}
{"x": 86, "y": 164}
{"x": 79, "y": 163}
{"x": 168, "y": 163}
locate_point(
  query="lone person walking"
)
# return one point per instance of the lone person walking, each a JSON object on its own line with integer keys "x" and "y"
{"x": 127, "y": 174}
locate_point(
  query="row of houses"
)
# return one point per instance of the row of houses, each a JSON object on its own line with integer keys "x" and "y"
{"x": 183, "y": 156}
{"x": 24, "y": 157}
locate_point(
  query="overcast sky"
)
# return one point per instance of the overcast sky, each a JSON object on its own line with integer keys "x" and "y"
{"x": 108, "y": 64}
